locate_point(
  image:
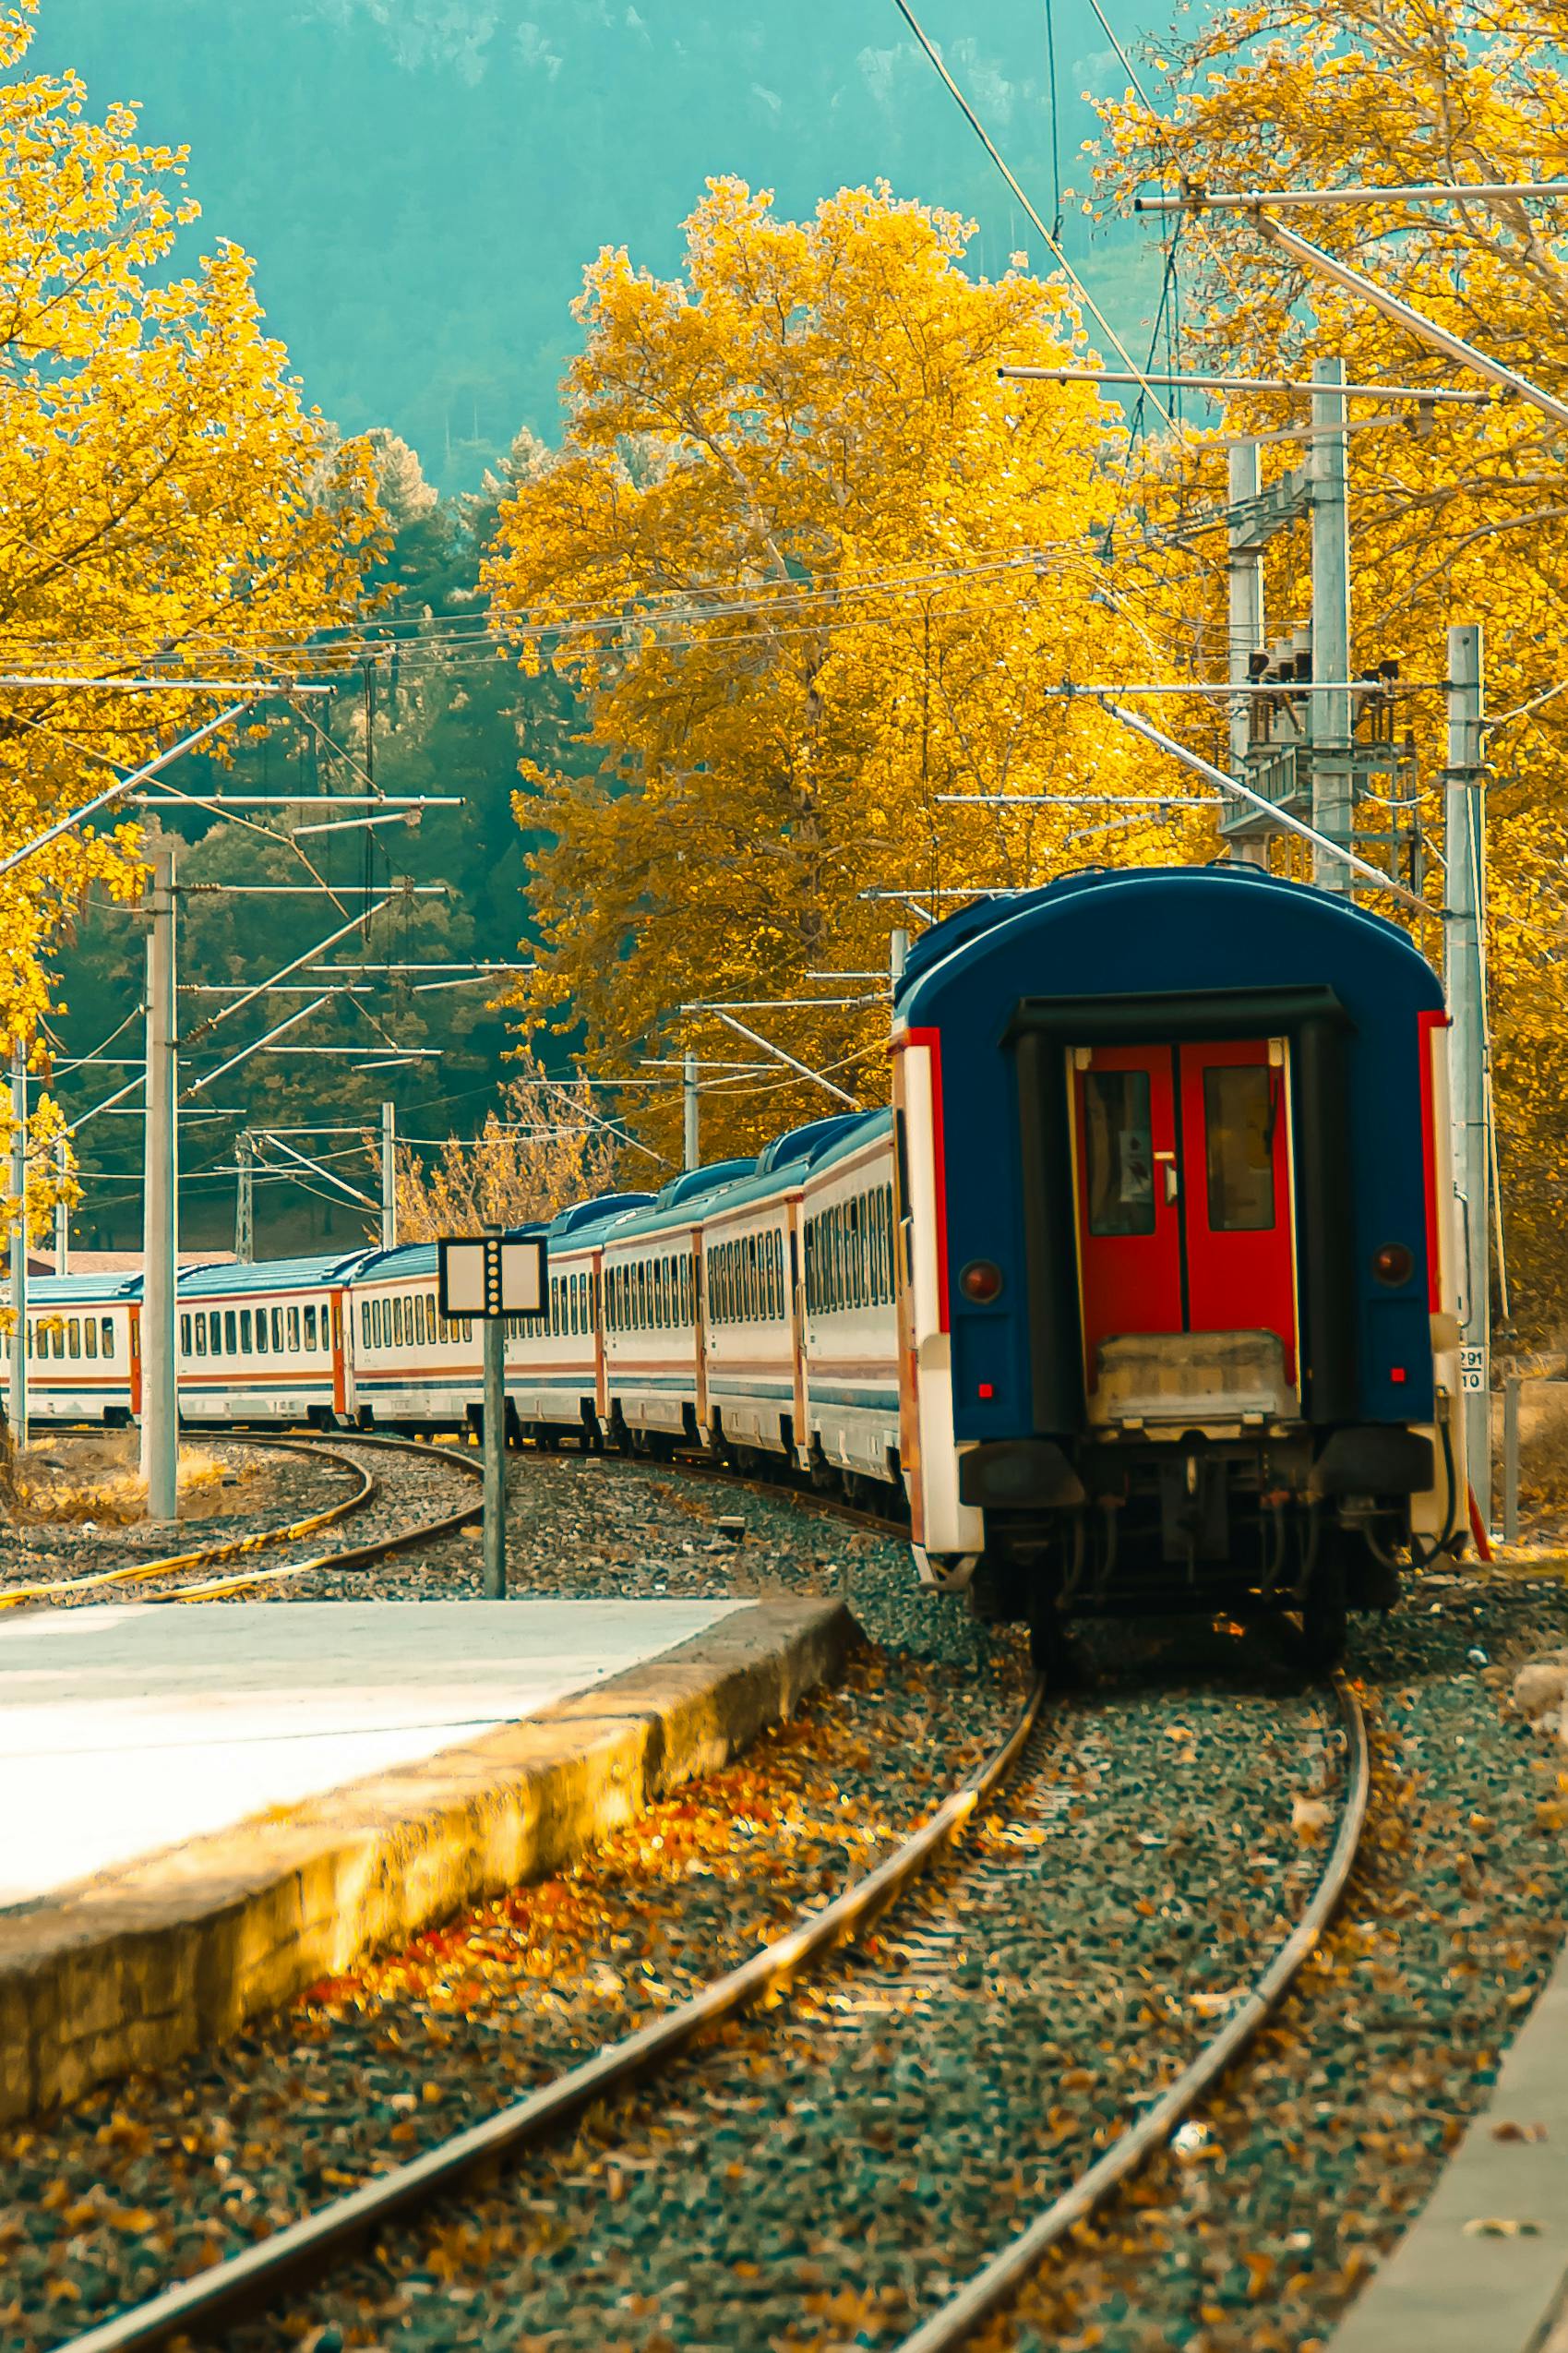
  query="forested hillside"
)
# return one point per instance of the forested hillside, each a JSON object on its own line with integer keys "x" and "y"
{"x": 423, "y": 181}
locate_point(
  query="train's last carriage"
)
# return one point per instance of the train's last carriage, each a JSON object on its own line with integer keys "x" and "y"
{"x": 83, "y": 1344}
{"x": 1181, "y": 1315}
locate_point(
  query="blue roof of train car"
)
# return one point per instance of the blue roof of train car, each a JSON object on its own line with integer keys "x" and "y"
{"x": 79, "y": 1291}
{"x": 233, "y": 1281}
{"x": 413, "y": 1259}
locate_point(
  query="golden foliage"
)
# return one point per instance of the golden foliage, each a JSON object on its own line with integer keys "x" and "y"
{"x": 544, "y": 1148}
{"x": 844, "y": 556}
{"x": 164, "y": 493}
{"x": 1456, "y": 516}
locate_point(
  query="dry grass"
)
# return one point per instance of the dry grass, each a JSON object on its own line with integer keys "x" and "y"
{"x": 96, "y": 1480}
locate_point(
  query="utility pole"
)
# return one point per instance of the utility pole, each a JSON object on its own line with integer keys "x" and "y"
{"x": 494, "y": 1328}
{"x": 1245, "y": 577}
{"x": 1328, "y": 715}
{"x": 244, "y": 1200}
{"x": 690, "y": 1104}
{"x": 389, "y": 1176}
{"x": 62, "y": 1209}
{"x": 17, "y": 1405}
{"x": 160, "y": 1396}
{"x": 1465, "y": 946}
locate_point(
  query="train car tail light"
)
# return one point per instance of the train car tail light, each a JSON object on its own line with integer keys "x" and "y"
{"x": 1393, "y": 1265}
{"x": 981, "y": 1282}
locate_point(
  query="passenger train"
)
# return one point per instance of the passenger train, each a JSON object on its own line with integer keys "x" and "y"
{"x": 1145, "y": 1293}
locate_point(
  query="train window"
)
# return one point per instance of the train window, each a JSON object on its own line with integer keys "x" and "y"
{"x": 666, "y": 1313}
{"x": 1118, "y": 1152}
{"x": 245, "y": 1331}
{"x": 310, "y": 1328}
{"x": 90, "y": 1335}
{"x": 1240, "y": 1111}
{"x": 365, "y": 1321}
{"x": 260, "y": 1343}
{"x": 215, "y": 1332}
{"x": 430, "y": 1322}
{"x": 397, "y": 1307}
{"x": 73, "y": 1335}
{"x": 294, "y": 1331}
{"x": 185, "y": 1334}
{"x": 277, "y": 1331}
{"x": 200, "y": 1329}
{"x": 108, "y": 1335}
{"x": 231, "y": 1333}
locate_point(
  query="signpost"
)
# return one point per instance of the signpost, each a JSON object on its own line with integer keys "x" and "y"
{"x": 488, "y": 1278}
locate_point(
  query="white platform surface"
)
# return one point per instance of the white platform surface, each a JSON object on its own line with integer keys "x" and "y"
{"x": 128, "y": 1729}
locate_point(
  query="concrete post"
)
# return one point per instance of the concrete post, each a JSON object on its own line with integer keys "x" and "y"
{"x": 1245, "y": 577}
{"x": 62, "y": 1210}
{"x": 1464, "y": 936}
{"x": 1511, "y": 1458}
{"x": 898, "y": 954}
{"x": 1328, "y": 717}
{"x": 389, "y": 1176}
{"x": 160, "y": 1397}
{"x": 690, "y": 1107}
{"x": 17, "y": 1405}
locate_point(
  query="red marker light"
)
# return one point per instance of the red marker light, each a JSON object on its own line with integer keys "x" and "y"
{"x": 1396, "y": 1373}
{"x": 987, "y": 1389}
{"x": 981, "y": 1282}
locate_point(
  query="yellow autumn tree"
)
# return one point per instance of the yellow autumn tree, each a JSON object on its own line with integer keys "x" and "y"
{"x": 546, "y": 1145}
{"x": 1458, "y": 514}
{"x": 809, "y": 565}
{"x": 167, "y": 500}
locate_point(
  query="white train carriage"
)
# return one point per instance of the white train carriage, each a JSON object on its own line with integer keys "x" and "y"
{"x": 651, "y": 1305}
{"x": 851, "y": 1335}
{"x": 84, "y": 1349}
{"x": 555, "y": 1372}
{"x": 408, "y": 1364}
{"x": 753, "y": 1398}
{"x": 264, "y": 1343}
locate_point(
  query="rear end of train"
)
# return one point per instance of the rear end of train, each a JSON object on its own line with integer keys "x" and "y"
{"x": 1180, "y": 1291}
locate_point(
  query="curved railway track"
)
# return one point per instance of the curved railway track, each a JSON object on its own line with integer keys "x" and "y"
{"x": 369, "y": 1490}
{"x": 258, "y": 2280}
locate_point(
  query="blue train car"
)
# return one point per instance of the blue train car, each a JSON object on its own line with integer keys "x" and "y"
{"x": 1179, "y": 1315}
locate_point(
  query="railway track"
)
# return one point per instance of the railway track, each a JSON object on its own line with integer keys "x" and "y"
{"x": 853, "y": 1983}
{"x": 173, "y": 1573}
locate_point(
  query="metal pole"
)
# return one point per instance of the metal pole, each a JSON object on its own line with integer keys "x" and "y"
{"x": 389, "y": 1176}
{"x": 62, "y": 1209}
{"x": 1510, "y": 1458}
{"x": 160, "y": 1398}
{"x": 690, "y": 1104}
{"x": 1328, "y": 715}
{"x": 18, "y": 1399}
{"x": 1245, "y": 572}
{"x": 1463, "y": 921}
{"x": 495, "y": 1450}
{"x": 898, "y": 954}
{"x": 244, "y": 1200}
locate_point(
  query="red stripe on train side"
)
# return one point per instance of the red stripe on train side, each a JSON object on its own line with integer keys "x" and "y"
{"x": 1427, "y": 1026}
{"x": 932, "y": 1041}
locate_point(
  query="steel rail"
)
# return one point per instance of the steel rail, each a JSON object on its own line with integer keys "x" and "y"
{"x": 294, "y": 2257}
{"x": 366, "y": 1556}
{"x": 996, "y": 2285}
{"x": 207, "y": 1555}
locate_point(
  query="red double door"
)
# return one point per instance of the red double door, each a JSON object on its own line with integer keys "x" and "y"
{"x": 1184, "y": 1198}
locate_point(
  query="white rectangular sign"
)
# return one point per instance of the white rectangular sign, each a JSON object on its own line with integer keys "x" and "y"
{"x": 1472, "y": 1370}
{"x": 488, "y": 1275}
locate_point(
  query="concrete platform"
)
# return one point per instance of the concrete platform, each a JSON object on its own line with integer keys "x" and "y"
{"x": 1450, "y": 2286}
{"x": 202, "y": 1811}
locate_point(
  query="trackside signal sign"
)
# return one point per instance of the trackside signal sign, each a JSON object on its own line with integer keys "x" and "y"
{"x": 491, "y": 1276}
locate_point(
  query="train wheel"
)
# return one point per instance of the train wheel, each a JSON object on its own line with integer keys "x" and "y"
{"x": 1050, "y": 1651}
{"x": 1324, "y": 1618}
